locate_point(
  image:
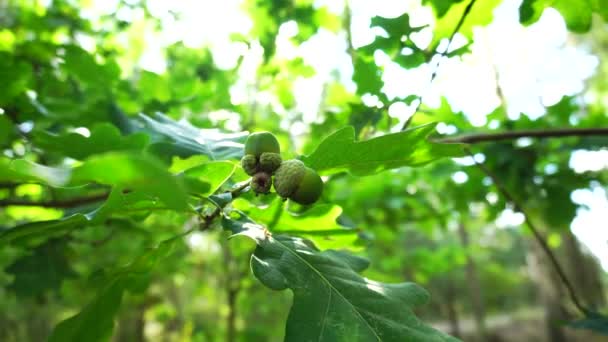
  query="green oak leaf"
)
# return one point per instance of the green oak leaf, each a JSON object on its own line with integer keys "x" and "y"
{"x": 44, "y": 269}
{"x": 331, "y": 301}
{"x": 134, "y": 172}
{"x": 171, "y": 138}
{"x": 42, "y": 229}
{"x": 340, "y": 152}
{"x": 395, "y": 27}
{"x": 577, "y": 13}
{"x": 104, "y": 137}
{"x": 441, "y": 7}
{"x": 480, "y": 14}
{"x": 206, "y": 178}
{"x": 95, "y": 322}
{"x": 7, "y": 130}
{"x": 317, "y": 224}
{"x": 367, "y": 76}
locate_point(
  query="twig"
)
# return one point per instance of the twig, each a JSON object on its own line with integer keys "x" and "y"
{"x": 530, "y": 133}
{"x": 208, "y": 219}
{"x": 535, "y": 231}
{"x": 457, "y": 28}
{"x": 69, "y": 203}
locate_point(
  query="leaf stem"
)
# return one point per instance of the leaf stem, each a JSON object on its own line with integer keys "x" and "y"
{"x": 234, "y": 193}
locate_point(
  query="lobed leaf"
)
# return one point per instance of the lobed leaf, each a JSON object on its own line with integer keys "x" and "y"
{"x": 317, "y": 223}
{"x": 95, "y": 322}
{"x": 340, "y": 152}
{"x": 331, "y": 301}
{"x": 184, "y": 140}
{"x": 104, "y": 137}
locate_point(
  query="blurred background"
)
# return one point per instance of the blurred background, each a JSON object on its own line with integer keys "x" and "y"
{"x": 303, "y": 69}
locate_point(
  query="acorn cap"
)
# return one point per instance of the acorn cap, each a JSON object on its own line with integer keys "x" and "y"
{"x": 249, "y": 164}
{"x": 260, "y": 142}
{"x": 288, "y": 177}
{"x": 270, "y": 162}
{"x": 309, "y": 189}
{"x": 261, "y": 182}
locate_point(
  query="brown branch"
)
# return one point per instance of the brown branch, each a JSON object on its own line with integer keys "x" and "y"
{"x": 208, "y": 219}
{"x": 531, "y": 133}
{"x": 68, "y": 203}
{"x": 535, "y": 232}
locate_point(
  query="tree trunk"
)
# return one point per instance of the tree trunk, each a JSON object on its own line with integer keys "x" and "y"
{"x": 583, "y": 271}
{"x": 474, "y": 287}
{"x": 550, "y": 290}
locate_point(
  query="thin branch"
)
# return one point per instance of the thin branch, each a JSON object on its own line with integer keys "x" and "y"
{"x": 208, "y": 219}
{"x": 535, "y": 231}
{"x": 68, "y": 203}
{"x": 530, "y": 133}
{"x": 457, "y": 28}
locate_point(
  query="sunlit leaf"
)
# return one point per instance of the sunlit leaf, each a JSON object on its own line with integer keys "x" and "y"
{"x": 317, "y": 224}
{"x": 480, "y": 14}
{"x": 340, "y": 152}
{"x": 576, "y": 13}
{"x": 134, "y": 172}
{"x": 214, "y": 174}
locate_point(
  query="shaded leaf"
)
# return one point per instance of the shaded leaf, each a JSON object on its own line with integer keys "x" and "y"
{"x": 42, "y": 229}
{"x": 95, "y": 322}
{"x": 44, "y": 269}
{"x": 594, "y": 321}
{"x": 182, "y": 139}
{"x": 104, "y": 138}
{"x": 331, "y": 301}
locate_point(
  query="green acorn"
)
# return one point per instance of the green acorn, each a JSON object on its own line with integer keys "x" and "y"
{"x": 261, "y": 182}
{"x": 297, "y": 182}
{"x": 260, "y": 142}
{"x": 270, "y": 162}
{"x": 261, "y": 153}
{"x": 249, "y": 163}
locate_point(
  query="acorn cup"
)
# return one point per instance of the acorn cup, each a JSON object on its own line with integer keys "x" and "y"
{"x": 297, "y": 182}
{"x": 262, "y": 153}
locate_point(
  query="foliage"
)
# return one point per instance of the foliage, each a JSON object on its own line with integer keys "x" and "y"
{"x": 113, "y": 176}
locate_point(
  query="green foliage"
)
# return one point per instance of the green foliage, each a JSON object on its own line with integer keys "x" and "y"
{"x": 594, "y": 321}
{"x": 96, "y": 320}
{"x": 340, "y": 152}
{"x": 577, "y": 14}
{"x": 115, "y": 179}
{"x": 331, "y": 301}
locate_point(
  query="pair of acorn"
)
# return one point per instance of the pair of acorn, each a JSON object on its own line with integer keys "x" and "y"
{"x": 292, "y": 179}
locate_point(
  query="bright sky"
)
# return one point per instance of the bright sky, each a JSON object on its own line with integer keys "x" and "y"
{"x": 537, "y": 65}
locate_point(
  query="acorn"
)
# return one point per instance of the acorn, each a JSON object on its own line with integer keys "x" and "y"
{"x": 249, "y": 163}
{"x": 270, "y": 162}
{"x": 261, "y": 182}
{"x": 299, "y": 183}
{"x": 260, "y": 142}
{"x": 262, "y": 153}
